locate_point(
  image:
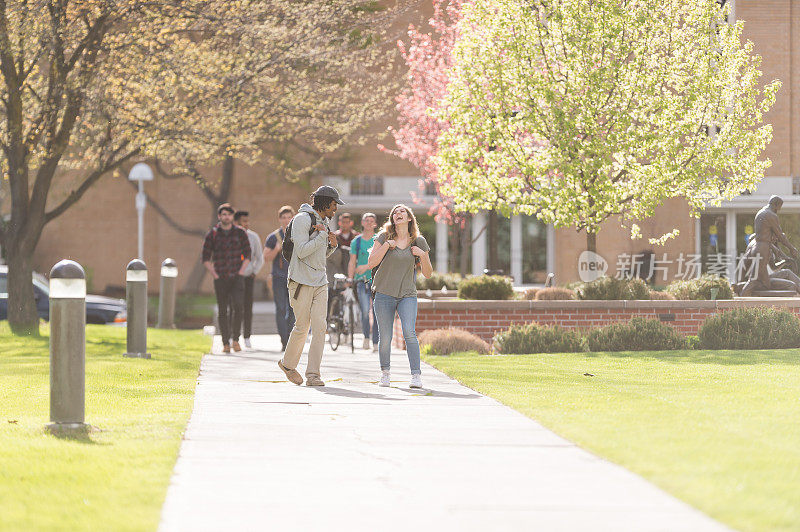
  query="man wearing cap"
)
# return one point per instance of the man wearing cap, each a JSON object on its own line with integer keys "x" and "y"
{"x": 308, "y": 283}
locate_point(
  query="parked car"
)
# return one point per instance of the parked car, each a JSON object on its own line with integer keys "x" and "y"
{"x": 99, "y": 309}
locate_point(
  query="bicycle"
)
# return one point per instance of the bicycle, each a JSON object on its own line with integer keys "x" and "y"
{"x": 341, "y": 315}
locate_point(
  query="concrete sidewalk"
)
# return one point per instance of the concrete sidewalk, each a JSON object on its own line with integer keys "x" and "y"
{"x": 263, "y": 454}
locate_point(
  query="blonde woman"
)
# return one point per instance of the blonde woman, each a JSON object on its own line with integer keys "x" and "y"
{"x": 399, "y": 252}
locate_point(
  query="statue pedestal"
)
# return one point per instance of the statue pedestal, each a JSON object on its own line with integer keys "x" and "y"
{"x": 773, "y": 293}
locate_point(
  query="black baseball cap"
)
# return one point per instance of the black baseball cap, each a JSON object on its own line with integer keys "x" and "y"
{"x": 328, "y": 191}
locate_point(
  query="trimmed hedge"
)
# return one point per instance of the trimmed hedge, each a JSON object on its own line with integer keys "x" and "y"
{"x": 438, "y": 280}
{"x": 639, "y": 334}
{"x": 554, "y": 294}
{"x": 700, "y": 288}
{"x": 611, "y": 288}
{"x": 535, "y": 338}
{"x": 486, "y": 287}
{"x": 530, "y": 293}
{"x": 655, "y": 295}
{"x": 750, "y": 328}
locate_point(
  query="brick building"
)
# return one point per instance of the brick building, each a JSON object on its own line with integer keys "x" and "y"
{"x": 100, "y": 231}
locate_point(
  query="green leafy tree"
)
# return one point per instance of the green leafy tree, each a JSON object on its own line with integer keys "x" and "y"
{"x": 581, "y": 111}
{"x": 282, "y": 86}
{"x": 86, "y": 87}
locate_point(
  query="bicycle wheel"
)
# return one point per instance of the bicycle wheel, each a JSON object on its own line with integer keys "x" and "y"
{"x": 351, "y": 327}
{"x": 335, "y": 323}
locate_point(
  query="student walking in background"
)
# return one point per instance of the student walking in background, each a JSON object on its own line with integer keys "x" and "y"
{"x": 226, "y": 254}
{"x": 400, "y": 251}
{"x": 279, "y": 276}
{"x": 362, "y": 277}
{"x": 339, "y": 259}
{"x": 346, "y": 234}
{"x": 242, "y": 219}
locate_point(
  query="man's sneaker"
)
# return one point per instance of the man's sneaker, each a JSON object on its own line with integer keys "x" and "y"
{"x": 291, "y": 374}
{"x": 247, "y": 343}
{"x": 236, "y": 346}
{"x": 384, "y": 378}
{"x": 365, "y": 345}
{"x": 313, "y": 380}
{"x": 416, "y": 381}
{"x": 226, "y": 349}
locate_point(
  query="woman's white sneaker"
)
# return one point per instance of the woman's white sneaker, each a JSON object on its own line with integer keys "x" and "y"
{"x": 384, "y": 379}
{"x": 416, "y": 381}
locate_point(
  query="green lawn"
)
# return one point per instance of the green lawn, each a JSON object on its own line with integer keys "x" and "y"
{"x": 117, "y": 477}
{"x": 720, "y": 430}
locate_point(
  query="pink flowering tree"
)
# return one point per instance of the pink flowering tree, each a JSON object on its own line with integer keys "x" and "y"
{"x": 428, "y": 56}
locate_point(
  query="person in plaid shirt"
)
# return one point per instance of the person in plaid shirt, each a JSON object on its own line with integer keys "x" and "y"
{"x": 226, "y": 254}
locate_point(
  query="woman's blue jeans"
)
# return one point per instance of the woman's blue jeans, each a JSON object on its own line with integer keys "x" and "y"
{"x": 364, "y": 291}
{"x": 385, "y": 309}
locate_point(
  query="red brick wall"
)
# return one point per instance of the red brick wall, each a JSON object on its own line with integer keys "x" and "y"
{"x": 485, "y": 318}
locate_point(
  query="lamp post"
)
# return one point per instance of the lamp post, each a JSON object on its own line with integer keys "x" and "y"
{"x": 141, "y": 172}
{"x": 67, "y": 348}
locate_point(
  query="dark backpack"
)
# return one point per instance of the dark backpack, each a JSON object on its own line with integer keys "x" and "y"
{"x": 287, "y": 247}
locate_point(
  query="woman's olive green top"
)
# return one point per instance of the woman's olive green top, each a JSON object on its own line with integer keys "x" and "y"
{"x": 395, "y": 276}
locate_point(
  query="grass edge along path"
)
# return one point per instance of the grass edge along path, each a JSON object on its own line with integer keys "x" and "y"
{"x": 718, "y": 430}
{"x": 116, "y": 478}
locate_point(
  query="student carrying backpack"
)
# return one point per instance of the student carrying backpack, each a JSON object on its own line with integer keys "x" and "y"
{"x": 306, "y": 245}
{"x": 287, "y": 248}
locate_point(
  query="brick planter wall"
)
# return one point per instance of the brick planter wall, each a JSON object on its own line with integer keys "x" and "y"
{"x": 485, "y": 318}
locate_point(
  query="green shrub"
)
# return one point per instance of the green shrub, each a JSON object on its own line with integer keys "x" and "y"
{"x": 486, "y": 287}
{"x": 639, "y": 334}
{"x": 750, "y": 328}
{"x": 700, "y": 288}
{"x": 611, "y": 288}
{"x": 655, "y": 295}
{"x": 439, "y": 342}
{"x": 535, "y": 338}
{"x": 694, "y": 341}
{"x": 438, "y": 280}
{"x": 554, "y": 294}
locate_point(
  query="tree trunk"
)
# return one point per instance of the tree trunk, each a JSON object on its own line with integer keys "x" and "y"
{"x": 22, "y": 316}
{"x": 591, "y": 242}
{"x": 195, "y": 281}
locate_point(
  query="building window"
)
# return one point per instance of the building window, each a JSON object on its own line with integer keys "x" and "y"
{"x": 430, "y": 188}
{"x": 534, "y": 250}
{"x": 366, "y": 186}
{"x": 714, "y": 255}
{"x": 795, "y": 185}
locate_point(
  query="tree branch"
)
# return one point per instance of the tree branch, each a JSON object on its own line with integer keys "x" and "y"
{"x": 167, "y": 218}
{"x": 90, "y": 180}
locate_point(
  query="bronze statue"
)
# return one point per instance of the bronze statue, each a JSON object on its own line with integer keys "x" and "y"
{"x": 763, "y": 251}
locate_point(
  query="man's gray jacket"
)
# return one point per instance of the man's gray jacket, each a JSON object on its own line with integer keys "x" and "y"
{"x": 256, "y": 254}
{"x": 310, "y": 251}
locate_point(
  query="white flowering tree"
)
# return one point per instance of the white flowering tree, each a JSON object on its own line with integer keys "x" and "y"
{"x": 581, "y": 111}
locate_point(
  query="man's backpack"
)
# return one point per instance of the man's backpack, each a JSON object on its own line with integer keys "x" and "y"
{"x": 287, "y": 247}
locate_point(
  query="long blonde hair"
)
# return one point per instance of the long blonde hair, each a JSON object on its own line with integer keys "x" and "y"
{"x": 391, "y": 230}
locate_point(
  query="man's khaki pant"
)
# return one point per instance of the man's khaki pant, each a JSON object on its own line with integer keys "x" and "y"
{"x": 310, "y": 310}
